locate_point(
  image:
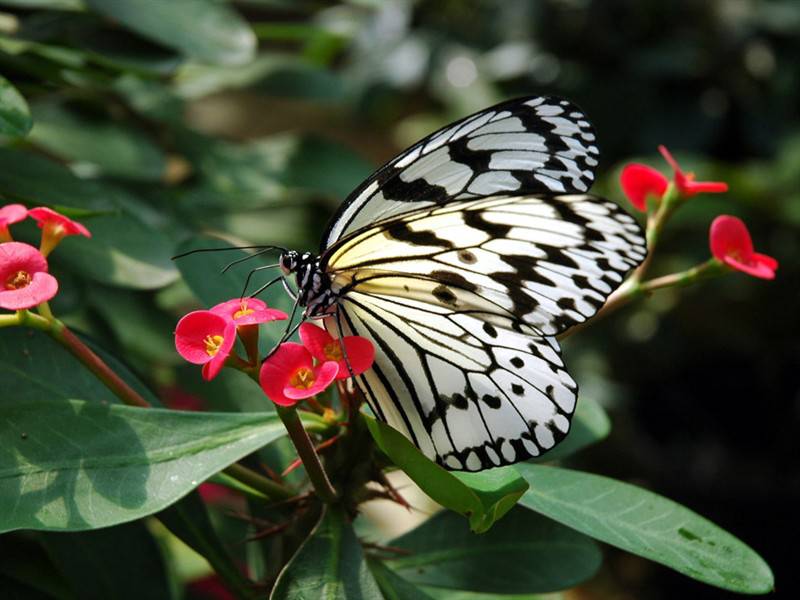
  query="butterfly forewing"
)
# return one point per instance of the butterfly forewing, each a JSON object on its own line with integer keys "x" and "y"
{"x": 525, "y": 146}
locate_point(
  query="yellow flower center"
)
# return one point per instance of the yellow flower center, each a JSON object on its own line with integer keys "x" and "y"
{"x": 243, "y": 312}
{"x": 213, "y": 344}
{"x": 302, "y": 379}
{"x": 18, "y": 280}
{"x": 333, "y": 350}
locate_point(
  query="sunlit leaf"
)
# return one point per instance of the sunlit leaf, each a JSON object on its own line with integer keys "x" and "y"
{"x": 75, "y": 465}
{"x": 646, "y": 524}
{"x": 217, "y": 33}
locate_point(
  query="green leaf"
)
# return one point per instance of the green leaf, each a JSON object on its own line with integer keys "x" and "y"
{"x": 522, "y": 554}
{"x": 590, "y": 424}
{"x": 75, "y": 465}
{"x": 103, "y": 146}
{"x": 189, "y": 521}
{"x": 117, "y": 563}
{"x": 35, "y": 366}
{"x": 498, "y": 490}
{"x": 36, "y": 180}
{"x": 444, "y": 594}
{"x": 646, "y": 524}
{"x": 217, "y": 33}
{"x": 52, "y": 4}
{"x": 123, "y": 251}
{"x": 482, "y": 497}
{"x": 329, "y": 565}
{"x": 15, "y": 118}
{"x": 392, "y": 585}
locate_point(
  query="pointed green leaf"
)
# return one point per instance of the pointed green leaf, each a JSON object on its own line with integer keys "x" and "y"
{"x": 392, "y": 585}
{"x": 330, "y": 565}
{"x": 522, "y": 554}
{"x": 15, "y": 118}
{"x": 75, "y": 465}
{"x": 217, "y": 33}
{"x": 35, "y": 366}
{"x": 108, "y": 147}
{"x": 646, "y": 524}
{"x": 498, "y": 490}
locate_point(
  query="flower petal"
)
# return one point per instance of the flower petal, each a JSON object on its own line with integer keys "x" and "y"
{"x": 324, "y": 375}
{"x": 42, "y": 288}
{"x": 315, "y": 339}
{"x": 16, "y": 256}
{"x": 248, "y": 311}
{"x": 360, "y": 354}
{"x": 278, "y": 368}
{"x": 12, "y": 213}
{"x": 729, "y": 236}
{"x": 192, "y": 331}
{"x": 44, "y": 216}
{"x": 640, "y": 181}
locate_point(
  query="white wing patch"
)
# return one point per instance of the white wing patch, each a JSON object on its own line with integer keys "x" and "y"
{"x": 527, "y": 146}
{"x": 468, "y": 389}
{"x": 549, "y": 262}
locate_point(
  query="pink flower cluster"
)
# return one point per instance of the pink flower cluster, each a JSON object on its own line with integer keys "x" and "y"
{"x": 292, "y": 373}
{"x": 24, "y": 278}
{"x": 729, "y": 238}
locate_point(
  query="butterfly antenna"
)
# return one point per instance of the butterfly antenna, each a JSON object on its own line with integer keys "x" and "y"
{"x": 248, "y": 257}
{"x": 262, "y": 288}
{"x": 259, "y": 247}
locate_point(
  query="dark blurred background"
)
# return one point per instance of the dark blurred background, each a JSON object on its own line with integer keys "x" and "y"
{"x": 701, "y": 383}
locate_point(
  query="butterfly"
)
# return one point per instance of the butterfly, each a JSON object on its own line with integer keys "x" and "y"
{"x": 461, "y": 260}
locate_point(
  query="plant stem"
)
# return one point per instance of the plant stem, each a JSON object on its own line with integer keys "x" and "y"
{"x": 95, "y": 364}
{"x": 271, "y": 489}
{"x": 305, "y": 449}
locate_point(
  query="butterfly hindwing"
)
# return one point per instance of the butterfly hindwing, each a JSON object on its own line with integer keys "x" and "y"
{"x": 533, "y": 145}
{"x": 471, "y": 390}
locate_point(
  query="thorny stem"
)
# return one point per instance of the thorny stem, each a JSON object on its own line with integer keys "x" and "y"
{"x": 305, "y": 449}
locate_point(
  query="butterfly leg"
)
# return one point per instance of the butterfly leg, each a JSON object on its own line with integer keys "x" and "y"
{"x": 341, "y": 335}
{"x": 290, "y": 330}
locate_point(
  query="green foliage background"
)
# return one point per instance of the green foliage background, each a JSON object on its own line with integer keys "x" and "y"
{"x": 159, "y": 124}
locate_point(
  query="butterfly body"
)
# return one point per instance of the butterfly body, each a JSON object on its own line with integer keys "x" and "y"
{"x": 461, "y": 260}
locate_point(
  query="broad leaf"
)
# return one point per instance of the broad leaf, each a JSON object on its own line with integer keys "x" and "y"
{"x": 117, "y": 563}
{"x": 108, "y": 147}
{"x": 482, "y": 497}
{"x": 75, "y": 465}
{"x": 217, "y": 33}
{"x": 330, "y": 565}
{"x": 646, "y": 524}
{"x": 522, "y": 554}
{"x": 189, "y": 520}
{"x": 392, "y": 585}
{"x": 35, "y": 366}
{"x": 15, "y": 118}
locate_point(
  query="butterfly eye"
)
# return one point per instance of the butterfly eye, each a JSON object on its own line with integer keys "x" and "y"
{"x": 288, "y": 262}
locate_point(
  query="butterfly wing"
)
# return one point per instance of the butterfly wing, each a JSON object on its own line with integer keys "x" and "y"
{"x": 462, "y": 302}
{"x": 525, "y": 146}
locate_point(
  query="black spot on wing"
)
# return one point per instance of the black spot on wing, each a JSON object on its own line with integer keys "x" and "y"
{"x": 418, "y": 190}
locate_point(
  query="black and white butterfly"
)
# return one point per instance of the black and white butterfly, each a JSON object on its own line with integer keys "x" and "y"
{"x": 461, "y": 260}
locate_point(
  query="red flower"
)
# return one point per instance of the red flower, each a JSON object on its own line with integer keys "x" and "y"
{"x": 55, "y": 226}
{"x": 685, "y": 182}
{"x": 205, "y": 338}
{"x": 360, "y": 351}
{"x": 289, "y": 375}
{"x": 731, "y": 244}
{"x": 9, "y": 214}
{"x": 248, "y": 311}
{"x": 24, "y": 280}
{"x": 640, "y": 181}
